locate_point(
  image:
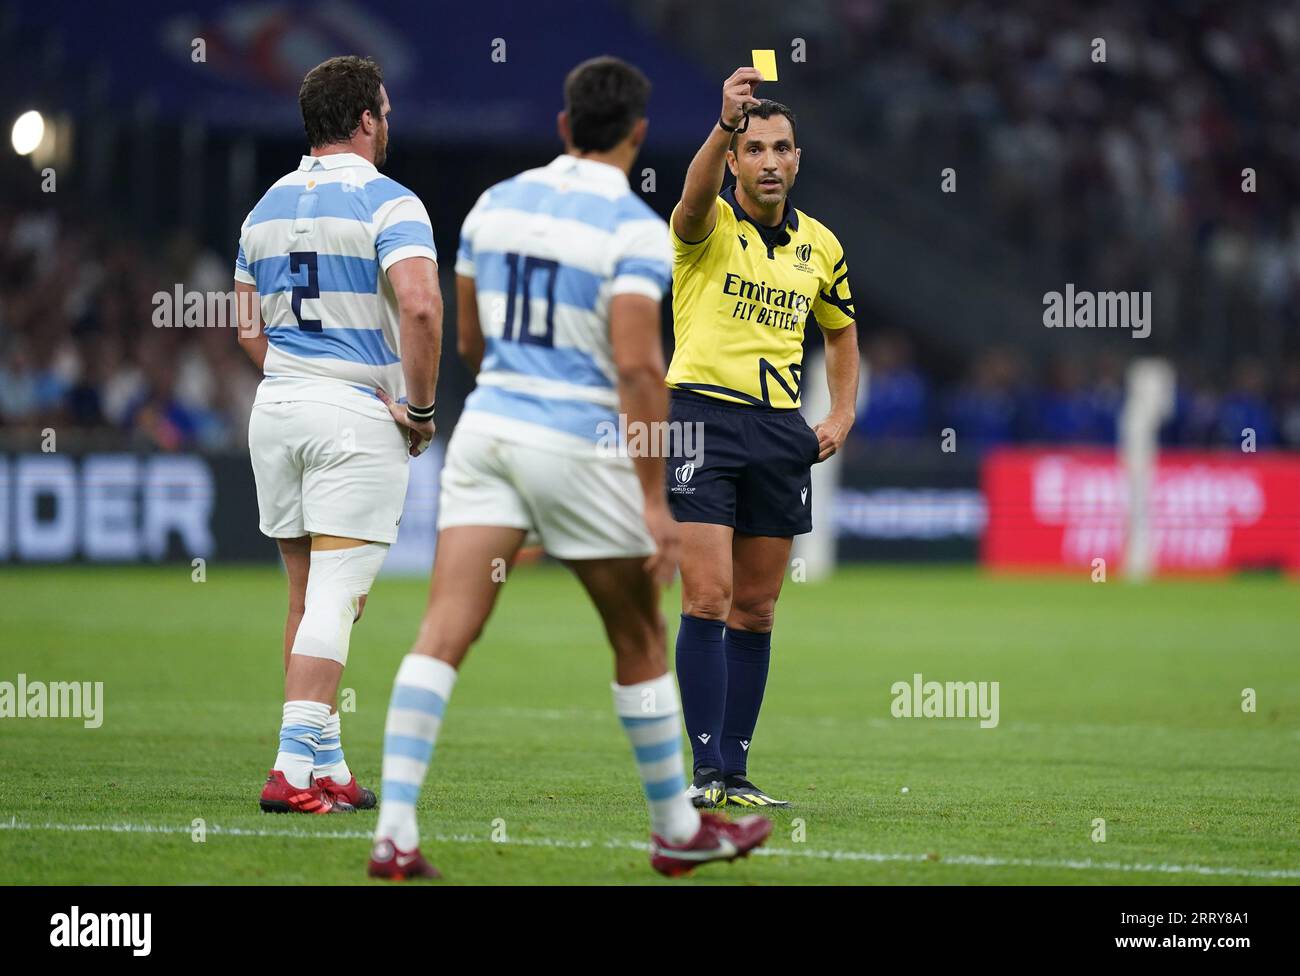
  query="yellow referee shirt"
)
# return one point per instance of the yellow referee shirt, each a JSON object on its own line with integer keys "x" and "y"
{"x": 741, "y": 299}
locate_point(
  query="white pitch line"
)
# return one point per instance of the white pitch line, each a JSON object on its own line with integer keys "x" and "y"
{"x": 873, "y": 857}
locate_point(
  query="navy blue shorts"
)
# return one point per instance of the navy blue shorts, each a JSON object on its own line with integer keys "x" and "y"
{"x": 751, "y": 470}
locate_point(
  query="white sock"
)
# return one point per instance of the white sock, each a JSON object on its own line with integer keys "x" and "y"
{"x": 651, "y": 715}
{"x": 420, "y": 694}
{"x": 329, "y": 755}
{"x": 300, "y": 732}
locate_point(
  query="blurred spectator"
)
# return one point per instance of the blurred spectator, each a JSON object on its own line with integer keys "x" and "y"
{"x": 1063, "y": 410}
{"x": 17, "y": 385}
{"x": 1245, "y": 407}
{"x": 1288, "y": 410}
{"x": 1106, "y": 396}
{"x": 897, "y": 394}
{"x": 986, "y": 409}
{"x": 1196, "y": 407}
{"x": 156, "y": 418}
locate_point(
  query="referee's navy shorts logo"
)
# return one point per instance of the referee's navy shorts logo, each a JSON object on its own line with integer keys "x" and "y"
{"x": 754, "y": 472}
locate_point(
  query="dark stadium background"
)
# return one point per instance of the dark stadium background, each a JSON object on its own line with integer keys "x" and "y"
{"x": 1122, "y": 175}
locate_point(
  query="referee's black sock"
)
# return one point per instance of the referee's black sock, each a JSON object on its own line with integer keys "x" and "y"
{"x": 702, "y": 678}
{"x": 748, "y": 655}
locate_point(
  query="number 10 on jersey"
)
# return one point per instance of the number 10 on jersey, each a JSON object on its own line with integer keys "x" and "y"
{"x": 523, "y": 273}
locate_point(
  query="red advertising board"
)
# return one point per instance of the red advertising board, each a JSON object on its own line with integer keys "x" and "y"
{"x": 1209, "y": 511}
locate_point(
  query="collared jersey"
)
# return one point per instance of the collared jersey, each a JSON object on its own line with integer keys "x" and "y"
{"x": 315, "y": 246}
{"x": 547, "y": 250}
{"x": 741, "y": 300}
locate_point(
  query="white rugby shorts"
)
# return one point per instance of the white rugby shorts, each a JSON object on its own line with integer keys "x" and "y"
{"x": 326, "y": 470}
{"x": 576, "y": 506}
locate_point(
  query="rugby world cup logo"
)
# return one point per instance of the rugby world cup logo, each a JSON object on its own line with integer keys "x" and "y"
{"x": 803, "y": 252}
{"x": 684, "y": 473}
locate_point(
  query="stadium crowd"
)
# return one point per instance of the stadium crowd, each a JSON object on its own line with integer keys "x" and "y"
{"x": 1001, "y": 398}
{"x": 78, "y": 350}
{"x": 1130, "y": 143}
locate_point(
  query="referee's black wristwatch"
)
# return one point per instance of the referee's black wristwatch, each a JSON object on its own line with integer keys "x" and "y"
{"x": 733, "y": 129}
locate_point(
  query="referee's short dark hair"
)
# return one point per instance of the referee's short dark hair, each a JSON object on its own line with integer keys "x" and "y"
{"x": 334, "y": 95}
{"x": 604, "y": 98}
{"x": 765, "y": 109}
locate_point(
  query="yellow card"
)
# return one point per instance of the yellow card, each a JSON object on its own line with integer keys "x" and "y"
{"x": 765, "y": 64}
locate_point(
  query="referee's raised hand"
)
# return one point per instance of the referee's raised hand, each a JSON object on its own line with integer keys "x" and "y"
{"x": 738, "y": 94}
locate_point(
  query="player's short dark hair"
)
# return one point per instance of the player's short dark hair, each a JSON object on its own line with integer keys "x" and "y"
{"x": 334, "y": 95}
{"x": 604, "y": 98}
{"x": 765, "y": 109}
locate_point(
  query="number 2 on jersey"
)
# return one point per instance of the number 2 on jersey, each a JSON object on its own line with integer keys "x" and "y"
{"x": 298, "y": 261}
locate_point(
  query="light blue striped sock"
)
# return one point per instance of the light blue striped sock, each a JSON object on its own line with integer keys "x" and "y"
{"x": 420, "y": 694}
{"x": 329, "y": 754}
{"x": 651, "y": 715}
{"x": 300, "y": 731}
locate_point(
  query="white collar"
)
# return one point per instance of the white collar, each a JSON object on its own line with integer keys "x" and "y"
{"x": 333, "y": 161}
{"x": 591, "y": 168}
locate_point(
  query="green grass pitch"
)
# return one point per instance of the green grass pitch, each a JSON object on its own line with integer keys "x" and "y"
{"x": 1117, "y": 702}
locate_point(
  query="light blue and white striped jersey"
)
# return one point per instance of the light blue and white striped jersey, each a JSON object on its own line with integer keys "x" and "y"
{"x": 314, "y": 246}
{"x": 547, "y": 250}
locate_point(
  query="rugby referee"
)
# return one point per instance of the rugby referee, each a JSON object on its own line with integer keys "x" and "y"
{"x": 748, "y": 272}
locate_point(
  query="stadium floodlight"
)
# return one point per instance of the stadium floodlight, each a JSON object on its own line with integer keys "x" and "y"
{"x": 28, "y": 132}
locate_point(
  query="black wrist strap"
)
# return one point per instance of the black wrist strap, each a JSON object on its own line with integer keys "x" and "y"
{"x": 419, "y": 414}
{"x": 733, "y": 129}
